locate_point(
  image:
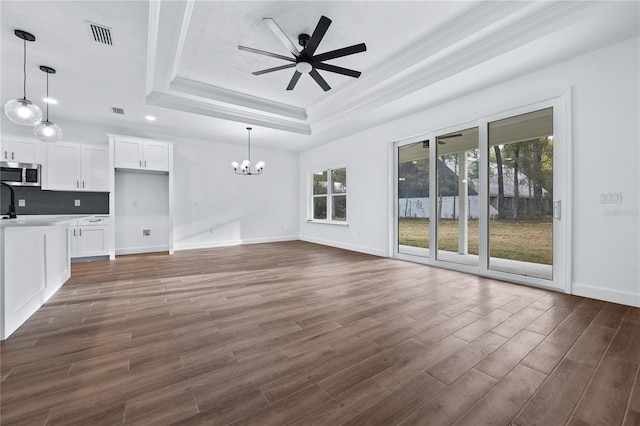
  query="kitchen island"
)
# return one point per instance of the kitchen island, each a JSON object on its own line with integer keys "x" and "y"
{"x": 34, "y": 263}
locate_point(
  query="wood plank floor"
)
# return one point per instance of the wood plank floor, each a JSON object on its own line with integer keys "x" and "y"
{"x": 302, "y": 334}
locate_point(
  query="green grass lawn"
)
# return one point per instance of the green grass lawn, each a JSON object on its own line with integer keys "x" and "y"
{"x": 527, "y": 241}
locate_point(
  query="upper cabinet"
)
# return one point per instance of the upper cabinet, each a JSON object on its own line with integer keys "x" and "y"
{"x": 141, "y": 154}
{"x": 19, "y": 150}
{"x": 76, "y": 167}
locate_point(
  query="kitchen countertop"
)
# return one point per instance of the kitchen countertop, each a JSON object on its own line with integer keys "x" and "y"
{"x": 42, "y": 220}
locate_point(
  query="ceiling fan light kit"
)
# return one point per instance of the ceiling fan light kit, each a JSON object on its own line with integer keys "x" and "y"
{"x": 305, "y": 61}
{"x": 245, "y": 166}
{"x": 21, "y": 110}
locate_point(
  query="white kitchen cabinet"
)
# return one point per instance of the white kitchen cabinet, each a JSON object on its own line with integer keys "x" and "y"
{"x": 90, "y": 237}
{"x": 141, "y": 155}
{"x": 20, "y": 150}
{"x": 76, "y": 167}
{"x": 94, "y": 167}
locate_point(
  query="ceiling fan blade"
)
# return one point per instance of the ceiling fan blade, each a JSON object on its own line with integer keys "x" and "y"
{"x": 345, "y": 51}
{"x": 338, "y": 70}
{"x": 262, "y": 52}
{"x": 318, "y": 78}
{"x": 282, "y": 36}
{"x": 316, "y": 37}
{"x": 281, "y": 67}
{"x": 294, "y": 80}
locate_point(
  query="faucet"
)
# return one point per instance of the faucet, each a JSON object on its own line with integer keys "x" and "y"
{"x": 12, "y": 205}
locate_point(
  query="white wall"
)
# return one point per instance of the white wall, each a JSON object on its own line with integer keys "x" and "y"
{"x": 142, "y": 203}
{"x": 605, "y": 127}
{"x": 215, "y": 207}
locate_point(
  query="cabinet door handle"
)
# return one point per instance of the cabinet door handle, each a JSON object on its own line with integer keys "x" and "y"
{"x": 140, "y": 163}
{"x": 83, "y": 184}
{"x": 5, "y": 155}
{"x": 80, "y": 231}
{"x": 74, "y": 232}
{"x": 13, "y": 155}
{"x": 145, "y": 164}
{"x": 77, "y": 184}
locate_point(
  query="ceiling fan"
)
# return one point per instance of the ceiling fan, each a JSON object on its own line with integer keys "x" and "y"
{"x": 305, "y": 60}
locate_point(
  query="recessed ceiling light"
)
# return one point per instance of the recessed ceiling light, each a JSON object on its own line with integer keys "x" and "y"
{"x": 50, "y": 101}
{"x": 150, "y": 118}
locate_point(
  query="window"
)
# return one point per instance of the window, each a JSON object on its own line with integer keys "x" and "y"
{"x": 329, "y": 195}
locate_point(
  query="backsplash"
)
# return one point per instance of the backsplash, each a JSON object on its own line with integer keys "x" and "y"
{"x": 38, "y": 201}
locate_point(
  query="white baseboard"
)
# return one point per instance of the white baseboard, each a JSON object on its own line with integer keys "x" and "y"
{"x": 607, "y": 294}
{"x": 227, "y": 243}
{"x": 139, "y": 250}
{"x": 352, "y": 247}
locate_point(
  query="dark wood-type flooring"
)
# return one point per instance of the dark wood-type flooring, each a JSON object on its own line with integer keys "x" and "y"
{"x": 301, "y": 334}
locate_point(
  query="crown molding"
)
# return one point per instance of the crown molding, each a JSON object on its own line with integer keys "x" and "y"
{"x": 214, "y": 93}
{"x": 195, "y": 106}
{"x": 168, "y": 26}
{"x": 518, "y": 27}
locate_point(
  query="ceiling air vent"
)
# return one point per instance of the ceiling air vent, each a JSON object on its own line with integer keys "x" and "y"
{"x": 117, "y": 110}
{"x": 100, "y": 33}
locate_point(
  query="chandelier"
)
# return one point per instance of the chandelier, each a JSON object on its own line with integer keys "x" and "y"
{"x": 245, "y": 166}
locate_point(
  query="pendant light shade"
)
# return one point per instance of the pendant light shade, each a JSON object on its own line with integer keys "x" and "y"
{"x": 245, "y": 166}
{"x": 46, "y": 130}
{"x": 21, "y": 110}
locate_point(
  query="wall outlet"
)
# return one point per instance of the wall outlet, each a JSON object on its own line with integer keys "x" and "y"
{"x": 146, "y": 232}
{"x": 21, "y": 203}
{"x": 76, "y": 203}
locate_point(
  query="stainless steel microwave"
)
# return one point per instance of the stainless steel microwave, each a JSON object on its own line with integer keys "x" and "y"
{"x": 20, "y": 174}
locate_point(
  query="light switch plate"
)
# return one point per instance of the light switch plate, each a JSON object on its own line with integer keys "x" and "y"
{"x": 76, "y": 203}
{"x": 610, "y": 197}
{"x": 21, "y": 203}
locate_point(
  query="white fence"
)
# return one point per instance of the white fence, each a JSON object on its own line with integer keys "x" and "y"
{"x": 419, "y": 207}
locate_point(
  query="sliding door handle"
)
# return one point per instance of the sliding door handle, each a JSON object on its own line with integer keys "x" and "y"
{"x": 557, "y": 210}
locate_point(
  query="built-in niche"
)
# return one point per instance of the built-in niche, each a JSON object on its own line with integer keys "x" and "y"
{"x": 141, "y": 206}
{"x": 141, "y": 212}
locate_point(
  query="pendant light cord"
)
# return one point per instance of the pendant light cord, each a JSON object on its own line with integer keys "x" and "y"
{"x": 24, "y": 69}
{"x": 47, "y": 97}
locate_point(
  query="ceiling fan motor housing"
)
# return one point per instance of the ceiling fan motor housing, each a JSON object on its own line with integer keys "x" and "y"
{"x": 303, "y": 39}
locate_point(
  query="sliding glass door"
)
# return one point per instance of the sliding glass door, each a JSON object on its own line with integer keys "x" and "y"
{"x": 487, "y": 197}
{"x": 520, "y": 185}
{"x": 457, "y": 157}
{"x": 413, "y": 220}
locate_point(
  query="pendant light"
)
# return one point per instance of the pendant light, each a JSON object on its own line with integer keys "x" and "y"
{"x": 47, "y": 131}
{"x": 21, "y": 110}
{"x": 245, "y": 166}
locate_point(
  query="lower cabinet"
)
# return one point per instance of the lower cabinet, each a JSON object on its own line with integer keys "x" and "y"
{"x": 90, "y": 237}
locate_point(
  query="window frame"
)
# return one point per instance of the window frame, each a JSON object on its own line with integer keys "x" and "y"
{"x": 329, "y": 196}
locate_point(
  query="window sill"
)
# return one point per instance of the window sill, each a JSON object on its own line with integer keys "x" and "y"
{"x": 328, "y": 222}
